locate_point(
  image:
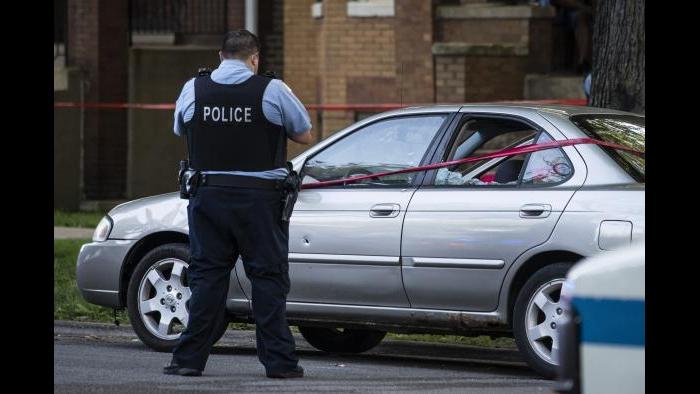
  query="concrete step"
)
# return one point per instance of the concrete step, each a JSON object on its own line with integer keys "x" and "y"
{"x": 545, "y": 86}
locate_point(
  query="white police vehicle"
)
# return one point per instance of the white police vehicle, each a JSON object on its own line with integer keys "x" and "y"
{"x": 603, "y": 331}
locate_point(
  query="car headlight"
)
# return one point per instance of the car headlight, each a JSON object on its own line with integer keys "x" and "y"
{"x": 104, "y": 227}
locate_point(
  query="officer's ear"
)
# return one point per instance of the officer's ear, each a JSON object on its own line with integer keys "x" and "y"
{"x": 255, "y": 61}
{"x": 221, "y": 56}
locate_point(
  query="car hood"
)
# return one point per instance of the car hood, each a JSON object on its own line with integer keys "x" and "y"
{"x": 138, "y": 218}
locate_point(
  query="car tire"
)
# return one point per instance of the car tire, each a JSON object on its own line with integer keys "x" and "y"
{"x": 529, "y": 317}
{"x": 333, "y": 340}
{"x": 143, "y": 324}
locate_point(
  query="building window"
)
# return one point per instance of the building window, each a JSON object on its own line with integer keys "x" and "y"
{"x": 317, "y": 9}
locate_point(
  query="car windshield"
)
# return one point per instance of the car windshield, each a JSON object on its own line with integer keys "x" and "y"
{"x": 626, "y": 130}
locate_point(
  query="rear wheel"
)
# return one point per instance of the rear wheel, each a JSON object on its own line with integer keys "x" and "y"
{"x": 158, "y": 295}
{"x": 339, "y": 340}
{"x": 536, "y": 318}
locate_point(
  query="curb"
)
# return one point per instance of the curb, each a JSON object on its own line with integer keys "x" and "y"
{"x": 389, "y": 349}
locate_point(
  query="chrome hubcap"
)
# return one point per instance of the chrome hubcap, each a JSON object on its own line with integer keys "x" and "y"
{"x": 542, "y": 320}
{"x": 163, "y": 296}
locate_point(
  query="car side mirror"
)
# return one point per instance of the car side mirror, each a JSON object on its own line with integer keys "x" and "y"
{"x": 301, "y": 171}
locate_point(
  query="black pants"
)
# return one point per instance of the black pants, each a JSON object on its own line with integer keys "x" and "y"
{"x": 224, "y": 223}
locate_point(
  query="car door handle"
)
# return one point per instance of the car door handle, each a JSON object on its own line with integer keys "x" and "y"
{"x": 385, "y": 211}
{"x": 535, "y": 211}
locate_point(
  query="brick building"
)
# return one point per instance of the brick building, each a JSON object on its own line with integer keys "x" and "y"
{"x": 329, "y": 52}
{"x": 421, "y": 51}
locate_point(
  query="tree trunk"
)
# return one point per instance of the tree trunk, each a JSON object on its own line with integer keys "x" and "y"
{"x": 618, "y": 55}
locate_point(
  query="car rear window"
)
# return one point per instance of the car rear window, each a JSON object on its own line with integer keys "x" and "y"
{"x": 626, "y": 130}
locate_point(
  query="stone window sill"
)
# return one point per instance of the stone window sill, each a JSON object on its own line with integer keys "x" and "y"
{"x": 494, "y": 11}
{"x": 360, "y": 9}
{"x": 470, "y": 49}
{"x": 371, "y": 8}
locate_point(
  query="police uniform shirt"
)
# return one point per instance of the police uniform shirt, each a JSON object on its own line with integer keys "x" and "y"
{"x": 280, "y": 107}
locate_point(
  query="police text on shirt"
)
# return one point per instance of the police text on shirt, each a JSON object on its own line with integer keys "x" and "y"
{"x": 227, "y": 114}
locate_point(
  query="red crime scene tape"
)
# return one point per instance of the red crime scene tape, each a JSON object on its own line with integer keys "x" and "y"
{"x": 311, "y": 107}
{"x": 502, "y": 153}
{"x": 387, "y": 107}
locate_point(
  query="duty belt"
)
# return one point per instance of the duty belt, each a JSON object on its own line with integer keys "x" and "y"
{"x": 239, "y": 181}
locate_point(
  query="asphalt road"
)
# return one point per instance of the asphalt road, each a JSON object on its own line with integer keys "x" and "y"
{"x": 90, "y": 357}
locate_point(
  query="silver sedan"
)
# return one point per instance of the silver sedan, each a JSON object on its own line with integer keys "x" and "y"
{"x": 479, "y": 248}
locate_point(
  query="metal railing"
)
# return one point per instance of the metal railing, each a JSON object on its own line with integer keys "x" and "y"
{"x": 177, "y": 16}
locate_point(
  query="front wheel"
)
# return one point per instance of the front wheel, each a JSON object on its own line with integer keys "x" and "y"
{"x": 158, "y": 295}
{"x": 536, "y": 318}
{"x": 334, "y": 340}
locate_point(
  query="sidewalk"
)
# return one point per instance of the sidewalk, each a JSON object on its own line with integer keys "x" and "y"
{"x": 72, "y": 233}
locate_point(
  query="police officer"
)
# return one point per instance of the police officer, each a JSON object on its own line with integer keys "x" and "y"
{"x": 237, "y": 123}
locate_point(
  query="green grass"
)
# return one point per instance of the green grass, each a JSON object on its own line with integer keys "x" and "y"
{"x": 70, "y": 305}
{"x": 483, "y": 340}
{"x": 76, "y": 219}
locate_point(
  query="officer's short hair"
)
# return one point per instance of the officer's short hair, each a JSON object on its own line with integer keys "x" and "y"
{"x": 240, "y": 44}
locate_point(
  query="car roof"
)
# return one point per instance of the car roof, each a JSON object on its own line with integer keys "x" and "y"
{"x": 506, "y": 107}
{"x": 511, "y": 108}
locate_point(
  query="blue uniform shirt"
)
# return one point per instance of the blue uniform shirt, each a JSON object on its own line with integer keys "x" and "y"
{"x": 280, "y": 106}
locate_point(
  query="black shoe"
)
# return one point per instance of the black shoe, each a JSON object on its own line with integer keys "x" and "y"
{"x": 174, "y": 369}
{"x": 297, "y": 372}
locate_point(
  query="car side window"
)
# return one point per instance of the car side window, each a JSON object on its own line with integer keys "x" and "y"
{"x": 386, "y": 145}
{"x": 506, "y": 172}
{"x": 547, "y": 166}
{"x": 481, "y": 136}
